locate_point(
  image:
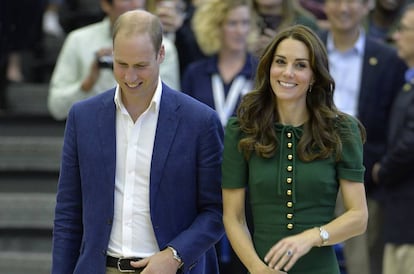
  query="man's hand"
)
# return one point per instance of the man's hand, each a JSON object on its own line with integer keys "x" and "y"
{"x": 159, "y": 263}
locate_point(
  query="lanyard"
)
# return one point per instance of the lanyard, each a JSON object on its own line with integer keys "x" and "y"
{"x": 225, "y": 107}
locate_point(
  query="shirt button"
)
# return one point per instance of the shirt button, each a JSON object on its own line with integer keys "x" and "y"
{"x": 290, "y": 168}
{"x": 289, "y": 204}
{"x": 289, "y": 180}
{"x": 289, "y": 134}
{"x": 289, "y": 192}
{"x": 289, "y": 216}
{"x": 289, "y": 226}
{"x": 289, "y": 145}
{"x": 290, "y": 157}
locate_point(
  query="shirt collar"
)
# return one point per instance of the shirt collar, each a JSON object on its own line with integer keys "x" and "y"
{"x": 155, "y": 101}
{"x": 358, "y": 46}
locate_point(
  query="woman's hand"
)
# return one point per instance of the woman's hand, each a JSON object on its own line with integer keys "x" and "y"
{"x": 284, "y": 254}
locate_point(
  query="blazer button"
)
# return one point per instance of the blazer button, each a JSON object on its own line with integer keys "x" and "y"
{"x": 289, "y": 226}
{"x": 289, "y": 216}
{"x": 290, "y": 168}
{"x": 289, "y": 192}
{"x": 289, "y": 145}
{"x": 289, "y": 180}
{"x": 290, "y": 157}
{"x": 289, "y": 204}
{"x": 289, "y": 134}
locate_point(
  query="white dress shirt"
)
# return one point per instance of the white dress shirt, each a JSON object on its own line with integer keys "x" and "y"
{"x": 132, "y": 232}
{"x": 346, "y": 69}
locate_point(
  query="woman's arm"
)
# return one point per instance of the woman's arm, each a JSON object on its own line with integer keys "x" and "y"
{"x": 354, "y": 220}
{"x": 351, "y": 223}
{"x": 238, "y": 233}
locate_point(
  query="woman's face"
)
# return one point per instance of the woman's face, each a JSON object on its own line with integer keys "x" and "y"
{"x": 290, "y": 72}
{"x": 236, "y": 28}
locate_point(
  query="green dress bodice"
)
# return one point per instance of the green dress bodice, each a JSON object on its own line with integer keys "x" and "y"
{"x": 287, "y": 195}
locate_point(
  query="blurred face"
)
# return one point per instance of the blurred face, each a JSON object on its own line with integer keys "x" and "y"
{"x": 345, "y": 15}
{"x": 235, "y": 29}
{"x": 390, "y": 5}
{"x": 290, "y": 72}
{"x": 404, "y": 38}
{"x": 136, "y": 64}
{"x": 269, "y": 6}
{"x": 118, "y": 7}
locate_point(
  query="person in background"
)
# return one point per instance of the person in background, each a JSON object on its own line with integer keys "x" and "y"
{"x": 382, "y": 20}
{"x": 50, "y": 21}
{"x": 84, "y": 65}
{"x": 366, "y": 73}
{"x": 21, "y": 32}
{"x": 316, "y": 8}
{"x": 139, "y": 184}
{"x": 395, "y": 169}
{"x": 274, "y": 15}
{"x": 176, "y": 17}
{"x": 225, "y": 31}
{"x": 287, "y": 141}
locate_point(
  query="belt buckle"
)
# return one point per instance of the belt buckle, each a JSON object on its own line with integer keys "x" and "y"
{"x": 120, "y": 267}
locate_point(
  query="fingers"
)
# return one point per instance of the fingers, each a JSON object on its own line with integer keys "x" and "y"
{"x": 281, "y": 258}
{"x": 140, "y": 263}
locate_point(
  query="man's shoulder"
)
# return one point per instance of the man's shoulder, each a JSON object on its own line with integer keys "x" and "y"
{"x": 187, "y": 102}
{"x": 88, "y": 30}
{"x": 379, "y": 48}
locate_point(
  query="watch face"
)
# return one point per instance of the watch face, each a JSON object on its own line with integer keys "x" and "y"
{"x": 324, "y": 235}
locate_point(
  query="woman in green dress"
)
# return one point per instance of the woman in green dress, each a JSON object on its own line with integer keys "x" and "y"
{"x": 291, "y": 151}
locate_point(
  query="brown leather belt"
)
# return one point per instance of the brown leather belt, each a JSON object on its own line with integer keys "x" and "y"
{"x": 122, "y": 264}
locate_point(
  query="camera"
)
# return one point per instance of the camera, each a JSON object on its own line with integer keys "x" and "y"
{"x": 105, "y": 61}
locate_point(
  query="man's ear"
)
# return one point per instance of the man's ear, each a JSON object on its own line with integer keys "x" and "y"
{"x": 161, "y": 54}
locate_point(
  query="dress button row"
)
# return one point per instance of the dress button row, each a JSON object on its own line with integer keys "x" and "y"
{"x": 289, "y": 180}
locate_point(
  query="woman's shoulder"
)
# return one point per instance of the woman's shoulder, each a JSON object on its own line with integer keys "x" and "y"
{"x": 349, "y": 126}
{"x": 233, "y": 129}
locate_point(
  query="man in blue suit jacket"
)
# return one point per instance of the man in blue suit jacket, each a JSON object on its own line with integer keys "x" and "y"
{"x": 140, "y": 172}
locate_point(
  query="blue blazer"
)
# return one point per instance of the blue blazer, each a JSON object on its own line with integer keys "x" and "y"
{"x": 185, "y": 184}
{"x": 382, "y": 76}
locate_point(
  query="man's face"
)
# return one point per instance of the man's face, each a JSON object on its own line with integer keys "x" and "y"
{"x": 404, "y": 38}
{"x": 136, "y": 64}
{"x": 345, "y": 15}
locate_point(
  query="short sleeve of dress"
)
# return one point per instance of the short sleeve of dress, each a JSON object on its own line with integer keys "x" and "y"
{"x": 234, "y": 166}
{"x": 350, "y": 167}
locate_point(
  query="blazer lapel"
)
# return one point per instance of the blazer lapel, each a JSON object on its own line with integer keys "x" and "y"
{"x": 107, "y": 135}
{"x": 168, "y": 120}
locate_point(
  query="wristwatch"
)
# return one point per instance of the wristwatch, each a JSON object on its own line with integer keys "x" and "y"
{"x": 176, "y": 256}
{"x": 324, "y": 235}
